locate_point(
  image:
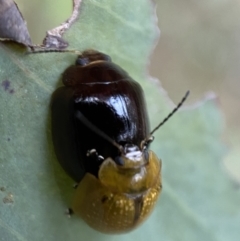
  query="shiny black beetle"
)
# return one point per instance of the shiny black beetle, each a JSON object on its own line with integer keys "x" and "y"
{"x": 101, "y": 136}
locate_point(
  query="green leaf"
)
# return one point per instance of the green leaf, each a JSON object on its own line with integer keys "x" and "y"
{"x": 198, "y": 202}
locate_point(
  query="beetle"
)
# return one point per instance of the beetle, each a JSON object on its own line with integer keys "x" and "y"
{"x": 101, "y": 137}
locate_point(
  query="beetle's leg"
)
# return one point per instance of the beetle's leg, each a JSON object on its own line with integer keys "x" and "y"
{"x": 69, "y": 212}
{"x": 93, "y": 153}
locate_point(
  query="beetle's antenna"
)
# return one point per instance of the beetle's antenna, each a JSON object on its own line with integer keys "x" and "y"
{"x": 87, "y": 123}
{"x": 173, "y": 111}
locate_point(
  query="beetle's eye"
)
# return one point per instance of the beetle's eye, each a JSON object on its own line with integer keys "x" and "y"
{"x": 119, "y": 161}
{"x": 82, "y": 61}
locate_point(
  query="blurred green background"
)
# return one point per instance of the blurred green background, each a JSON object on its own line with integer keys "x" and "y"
{"x": 199, "y": 50}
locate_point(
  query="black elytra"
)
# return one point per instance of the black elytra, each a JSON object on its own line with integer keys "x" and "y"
{"x": 110, "y": 99}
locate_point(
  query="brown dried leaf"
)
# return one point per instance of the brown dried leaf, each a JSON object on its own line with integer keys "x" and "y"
{"x": 12, "y": 25}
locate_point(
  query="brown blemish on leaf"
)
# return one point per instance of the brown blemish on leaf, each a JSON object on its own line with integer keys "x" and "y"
{"x": 11, "y": 91}
{"x": 6, "y": 86}
{"x": 2, "y": 189}
{"x": 8, "y": 199}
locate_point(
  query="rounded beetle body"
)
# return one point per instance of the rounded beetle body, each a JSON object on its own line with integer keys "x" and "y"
{"x": 118, "y": 184}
